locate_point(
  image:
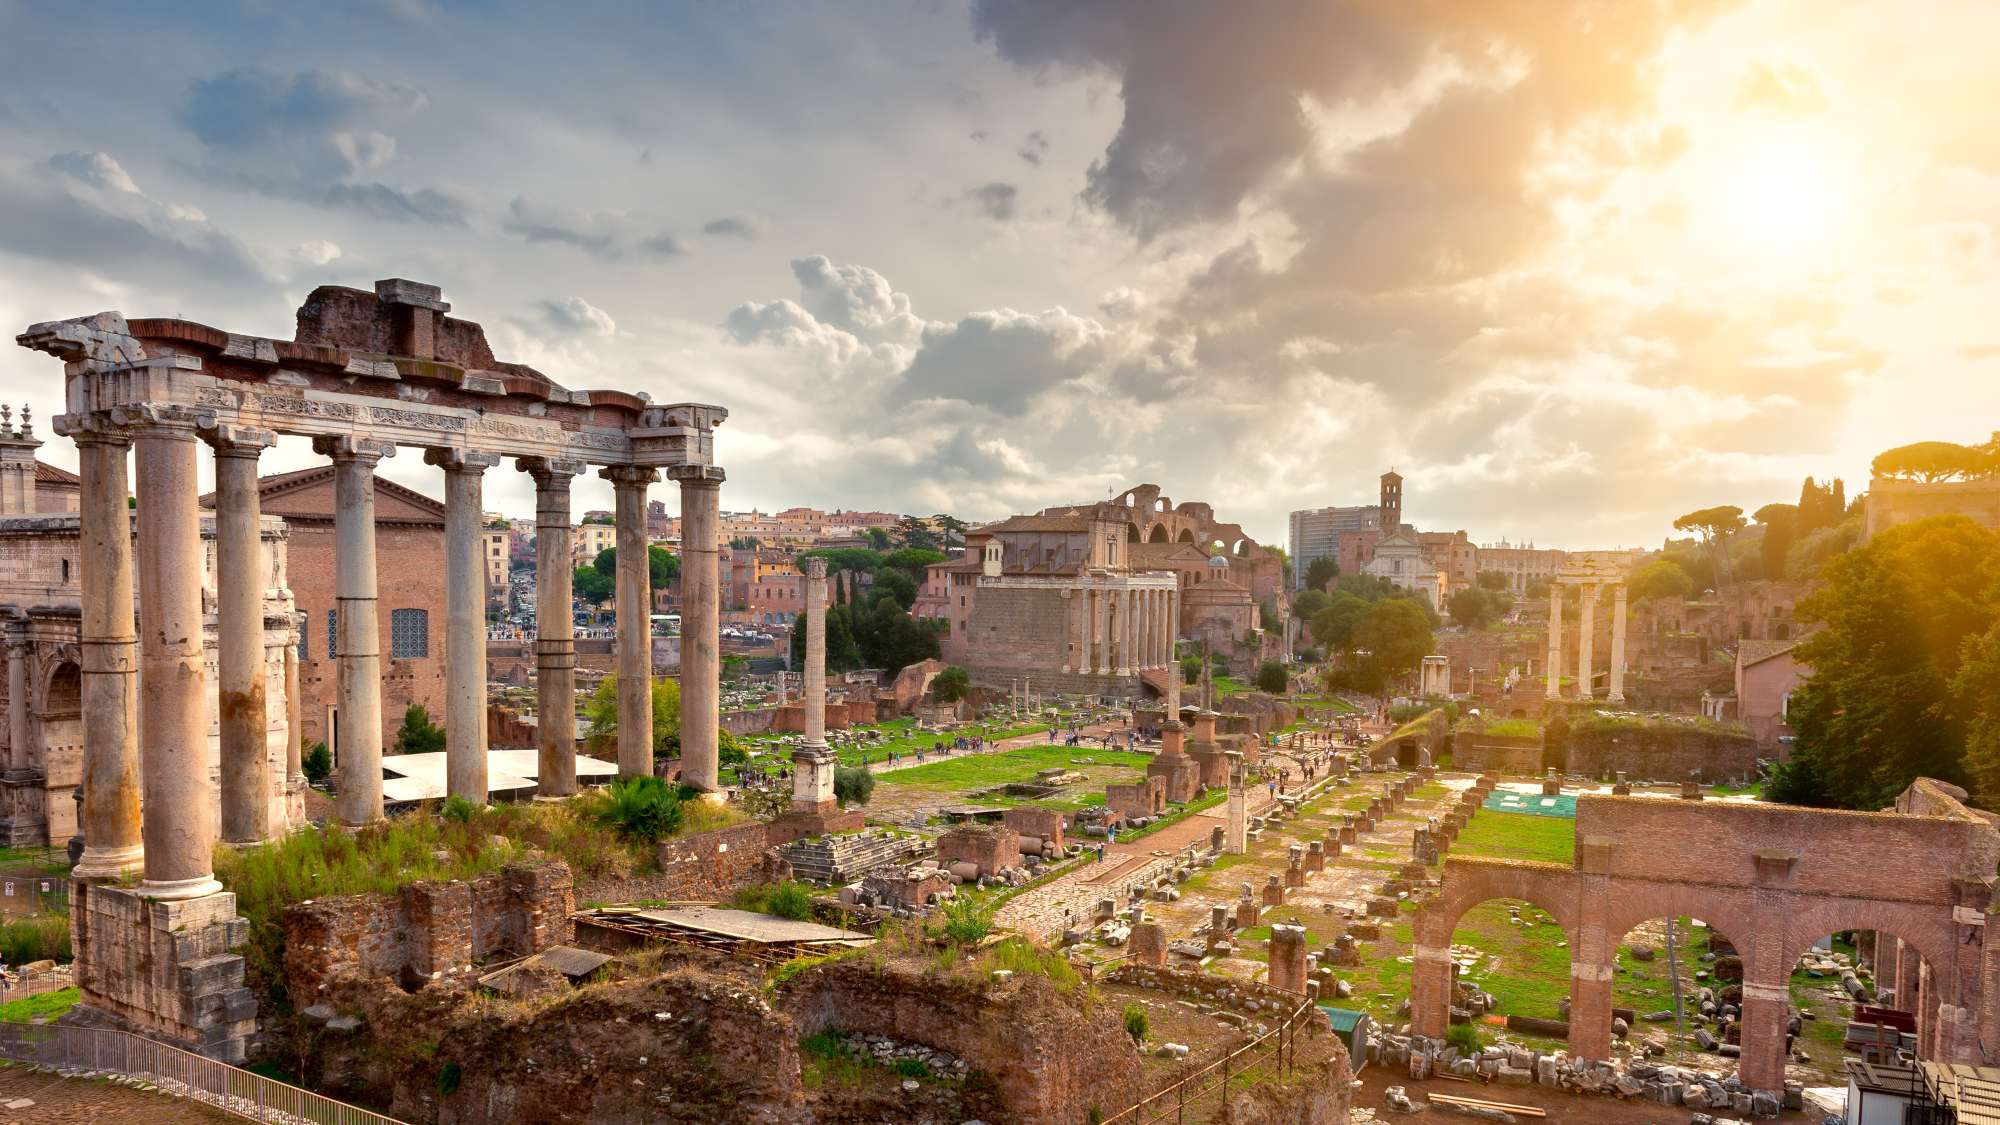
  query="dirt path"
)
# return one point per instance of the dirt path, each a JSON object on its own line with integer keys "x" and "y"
{"x": 90, "y": 1101}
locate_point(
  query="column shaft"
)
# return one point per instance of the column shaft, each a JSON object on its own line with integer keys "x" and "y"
{"x": 111, "y": 837}
{"x": 1586, "y": 638}
{"x": 1617, "y": 692}
{"x": 358, "y": 631}
{"x": 701, "y": 624}
{"x": 1100, "y": 629}
{"x": 240, "y": 577}
{"x": 179, "y": 821}
{"x": 555, "y": 628}
{"x": 465, "y": 622}
{"x": 635, "y": 632}
{"x": 17, "y": 691}
{"x": 1555, "y": 640}
{"x": 295, "y": 774}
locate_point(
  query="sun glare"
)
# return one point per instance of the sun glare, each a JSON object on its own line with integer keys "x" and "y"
{"x": 1773, "y": 195}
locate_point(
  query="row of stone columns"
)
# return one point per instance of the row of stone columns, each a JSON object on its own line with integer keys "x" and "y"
{"x": 173, "y": 845}
{"x": 1120, "y": 631}
{"x": 1586, "y": 687}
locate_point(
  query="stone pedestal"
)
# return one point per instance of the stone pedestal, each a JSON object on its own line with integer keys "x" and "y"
{"x": 1316, "y": 856}
{"x": 1147, "y": 945}
{"x": 812, "y": 781}
{"x": 1288, "y": 958}
{"x": 1274, "y": 892}
{"x": 165, "y": 968}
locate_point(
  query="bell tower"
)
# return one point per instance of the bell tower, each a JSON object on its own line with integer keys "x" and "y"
{"x": 1392, "y": 502}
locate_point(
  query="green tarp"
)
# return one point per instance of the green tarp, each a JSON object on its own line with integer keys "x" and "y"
{"x": 1534, "y": 804}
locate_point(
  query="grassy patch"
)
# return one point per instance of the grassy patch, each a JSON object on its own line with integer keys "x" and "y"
{"x": 34, "y": 861}
{"x": 985, "y": 771}
{"x": 1199, "y": 804}
{"x": 1513, "y": 728}
{"x": 42, "y": 937}
{"x": 1549, "y": 839}
{"x": 48, "y": 1005}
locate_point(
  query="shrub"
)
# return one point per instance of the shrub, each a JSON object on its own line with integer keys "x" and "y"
{"x": 790, "y": 900}
{"x": 418, "y": 735}
{"x": 642, "y": 808}
{"x": 1465, "y": 1038}
{"x": 44, "y": 937}
{"x": 911, "y": 1068}
{"x": 316, "y": 762}
{"x": 458, "y": 810}
{"x": 1135, "y": 1022}
{"x": 967, "y": 921}
{"x": 1271, "y": 677}
{"x": 853, "y": 785}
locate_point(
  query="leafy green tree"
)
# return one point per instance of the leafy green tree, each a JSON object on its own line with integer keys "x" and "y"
{"x": 1780, "y": 523}
{"x": 641, "y": 809}
{"x": 913, "y": 532}
{"x": 600, "y": 717}
{"x": 878, "y": 538}
{"x": 954, "y": 529}
{"x": 1715, "y": 526}
{"x": 852, "y": 785}
{"x": 663, "y": 567}
{"x": 1321, "y": 571}
{"x": 1476, "y": 607}
{"x": 898, "y": 585}
{"x": 591, "y": 585}
{"x": 1367, "y": 587}
{"x": 418, "y": 735}
{"x": 843, "y": 654}
{"x": 889, "y": 638}
{"x": 913, "y": 560}
{"x": 951, "y": 685}
{"x": 1493, "y": 580}
{"x": 316, "y": 762}
{"x": 1308, "y": 604}
{"x": 1396, "y": 635}
{"x": 858, "y": 559}
{"x": 1933, "y": 461}
{"x": 1661, "y": 578}
{"x": 1333, "y": 627}
{"x": 1271, "y": 677}
{"x": 1899, "y": 668}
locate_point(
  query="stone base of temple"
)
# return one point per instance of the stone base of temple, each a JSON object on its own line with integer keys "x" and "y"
{"x": 801, "y": 825}
{"x": 166, "y": 970}
{"x": 1181, "y": 773}
{"x": 1211, "y": 763}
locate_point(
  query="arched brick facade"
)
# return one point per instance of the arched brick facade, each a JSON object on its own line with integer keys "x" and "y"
{"x": 1772, "y": 880}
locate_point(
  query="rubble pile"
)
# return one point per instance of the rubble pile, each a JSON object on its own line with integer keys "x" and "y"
{"x": 1508, "y": 1064}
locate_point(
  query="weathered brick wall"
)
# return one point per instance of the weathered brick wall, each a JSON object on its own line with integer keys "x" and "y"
{"x": 1018, "y": 628}
{"x": 428, "y": 928}
{"x": 711, "y": 865}
{"x": 1862, "y": 855}
{"x": 1665, "y": 752}
{"x": 991, "y": 847}
{"x": 507, "y": 730}
{"x": 1521, "y": 756}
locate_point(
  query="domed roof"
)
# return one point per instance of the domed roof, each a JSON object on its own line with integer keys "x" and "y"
{"x": 1219, "y": 562}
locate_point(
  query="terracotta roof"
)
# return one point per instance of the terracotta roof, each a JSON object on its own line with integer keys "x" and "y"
{"x": 1757, "y": 652}
{"x": 46, "y": 473}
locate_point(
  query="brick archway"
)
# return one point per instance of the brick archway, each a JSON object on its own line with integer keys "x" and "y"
{"x": 1469, "y": 882}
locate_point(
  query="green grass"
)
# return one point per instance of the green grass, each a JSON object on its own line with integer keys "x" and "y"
{"x": 42, "y": 937}
{"x": 1513, "y": 728}
{"x": 904, "y": 738}
{"x": 48, "y": 1005}
{"x": 34, "y": 861}
{"x": 985, "y": 771}
{"x": 1548, "y": 839}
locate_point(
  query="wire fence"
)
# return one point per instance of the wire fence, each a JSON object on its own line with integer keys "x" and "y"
{"x": 1272, "y": 1054}
{"x": 180, "y": 1073}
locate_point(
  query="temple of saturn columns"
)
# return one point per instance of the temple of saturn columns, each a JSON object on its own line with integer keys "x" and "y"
{"x": 1591, "y": 578}
{"x": 367, "y": 373}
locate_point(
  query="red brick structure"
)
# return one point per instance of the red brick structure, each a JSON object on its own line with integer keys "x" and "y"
{"x": 1288, "y": 958}
{"x": 1773, "y": 880}
{"x": 409, "y": 558}
{"x": 1045, "y": 825}
{"x": 991, "y": 848}
{"x": 1137, "y": 798}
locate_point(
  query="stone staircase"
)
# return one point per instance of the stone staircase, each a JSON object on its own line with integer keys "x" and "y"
{"x": 840, "y": 859}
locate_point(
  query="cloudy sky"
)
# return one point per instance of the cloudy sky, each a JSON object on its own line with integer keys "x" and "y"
{"x": 1571, "y": 268}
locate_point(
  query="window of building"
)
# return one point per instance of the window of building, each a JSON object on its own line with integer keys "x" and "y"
{"x": 332, "y": 635}
{"x": 409, "y": 634}
{"x": 305, "y": 624}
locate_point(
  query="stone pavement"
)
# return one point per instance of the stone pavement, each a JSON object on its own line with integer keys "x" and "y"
{"x": 88, "y": 1101}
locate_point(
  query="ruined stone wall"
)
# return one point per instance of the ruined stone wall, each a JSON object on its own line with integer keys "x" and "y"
{"x": 427, "y": 928}
{"x": 1017, "y": 629}
{"x": 1665, "y": 752}
{"x": 711, "y": 865}
{"x": 755, "y": 720}
{"x": 1884, "y": 856}
{"x": 507, "y": 730}
{"x": 1051, "y": 1059}
{"x": 1483, "y": 753}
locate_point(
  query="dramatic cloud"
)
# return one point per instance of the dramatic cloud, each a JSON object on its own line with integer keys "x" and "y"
{"x": 94, "y": 168}
{"x": 576, "y": 315}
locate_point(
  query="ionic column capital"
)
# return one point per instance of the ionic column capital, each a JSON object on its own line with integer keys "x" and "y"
{"x": 461, "y": 460}
{"x": 816, "y": 568}
{"x": 629, "y": 476}
{"x": 697, "y": 476}
{"x": 551, "y": 472}
{"x": 348, "y": 447}
{"x": 230, "y": 440}
{"x": 157, "y": 419}
{"x": 92, "y": 428}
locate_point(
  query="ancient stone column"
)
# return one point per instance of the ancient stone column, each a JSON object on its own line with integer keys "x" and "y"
{"x": 1237, "y": 837}
{"x": 1100, "y": 631}
{"x": 240, "y": 575}
{"x": 465, "y": 621}
{"x": 635, "y": 619}
{"x": 1121, "y": 626}
{"x": 701, "y": 623}
{"x": 1288, "y": 957}
{"x": 555, "y": 626}
{"x": 1068, "y": 596}
{"x": 1617, "y": 693}
{"x": 295, "y": 773}
{"x": 111, "y": 838}
{"x": 179, "y": 821}
{"x": 1586, "y": 637}
{"x": 358, "y": 655}
{"x": 813, "y": 761}
{"x": 17, "y": 688}
{"x": 1555, "y": 640}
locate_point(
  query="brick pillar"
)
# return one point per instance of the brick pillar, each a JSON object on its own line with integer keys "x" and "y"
{"x": 1148, "y": 944}
{"x": 1288, "y": 957}
{"x": 1430, "y": 991}
{"x": 1766, "y": 1010}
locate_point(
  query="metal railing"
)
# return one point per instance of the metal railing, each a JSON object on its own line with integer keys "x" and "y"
{"x": 181, "y": 1073}
{"x": 1274, "y": 1053}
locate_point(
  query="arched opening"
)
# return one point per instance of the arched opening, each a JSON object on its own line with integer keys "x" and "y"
{"x": 1242, "y": 549}
{"x": 1186, "y": 535}
{"x": 1509, "y": 963}
{"x": 1158, "y": 534}
{"x": 1677, "y": 979}
{"x": 1132, "y": 533}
